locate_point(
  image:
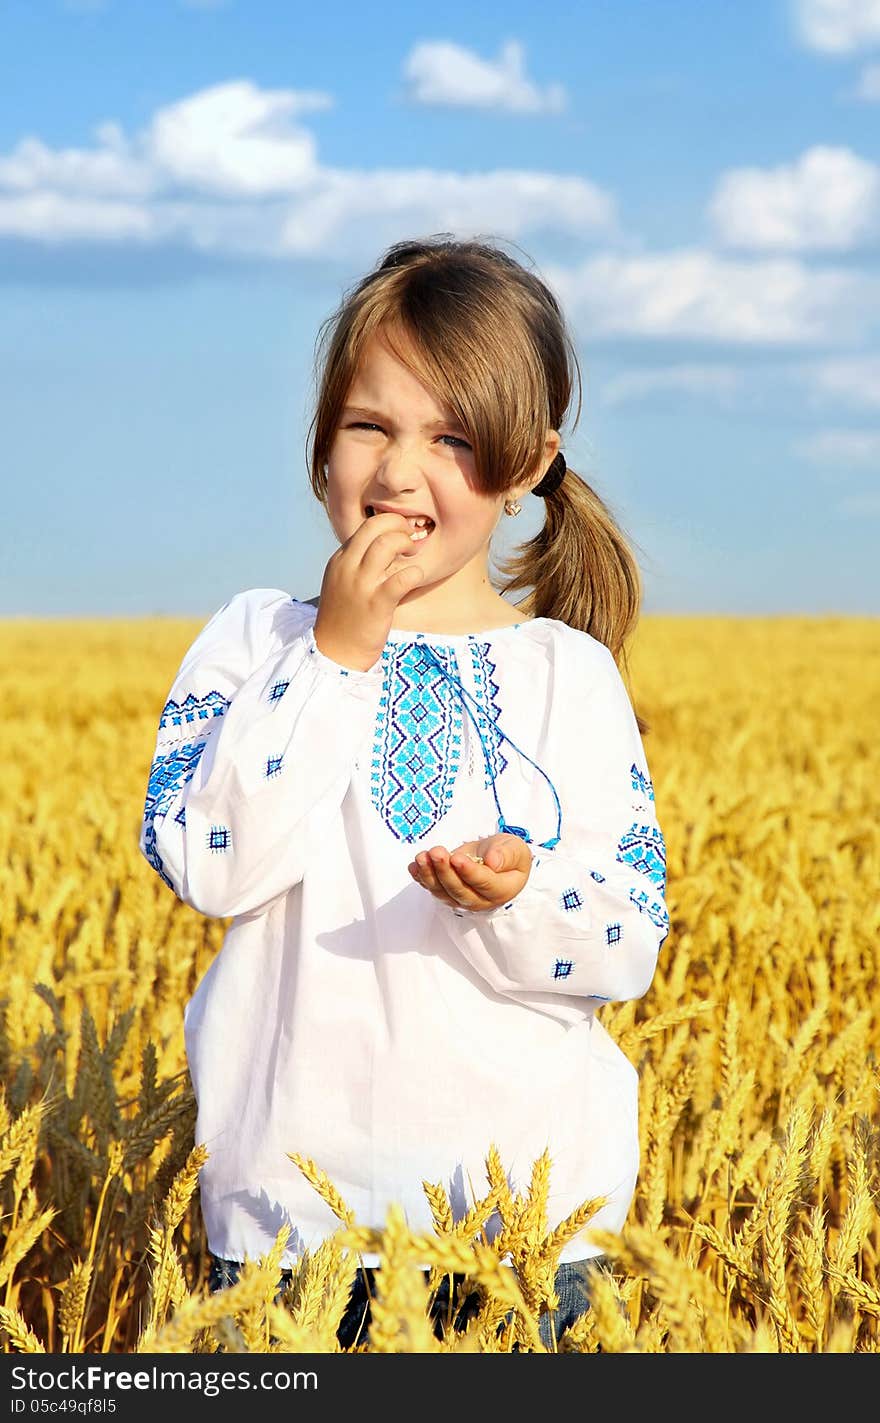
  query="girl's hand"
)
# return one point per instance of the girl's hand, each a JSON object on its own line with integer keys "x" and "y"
{"x": 460, "y": 880}
{"x": 363, "y": 582}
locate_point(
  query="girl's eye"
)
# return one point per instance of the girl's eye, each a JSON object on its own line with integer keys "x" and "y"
{"x": 368, "y": 425}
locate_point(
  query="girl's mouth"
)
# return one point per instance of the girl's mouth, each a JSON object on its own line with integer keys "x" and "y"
{"x": 420, "y": 525}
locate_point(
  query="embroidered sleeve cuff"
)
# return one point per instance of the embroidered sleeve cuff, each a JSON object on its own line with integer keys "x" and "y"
{"x": 356, "y": 677}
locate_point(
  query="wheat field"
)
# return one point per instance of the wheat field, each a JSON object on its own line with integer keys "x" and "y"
{"x": 754, "y": 1226}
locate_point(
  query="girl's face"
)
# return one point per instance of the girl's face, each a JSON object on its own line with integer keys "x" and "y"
{"x": 396, "y": 449}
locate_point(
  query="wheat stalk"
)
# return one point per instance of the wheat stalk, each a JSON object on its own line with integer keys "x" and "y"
{"x": 324, "y": 1186}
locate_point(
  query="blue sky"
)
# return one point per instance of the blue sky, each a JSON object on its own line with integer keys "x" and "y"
{"x": 187, "y": 187}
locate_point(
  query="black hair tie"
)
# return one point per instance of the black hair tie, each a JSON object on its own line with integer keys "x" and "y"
{"x": 553, "y": 478}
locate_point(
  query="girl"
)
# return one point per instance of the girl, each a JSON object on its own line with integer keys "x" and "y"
{"x": 427, "y": 810}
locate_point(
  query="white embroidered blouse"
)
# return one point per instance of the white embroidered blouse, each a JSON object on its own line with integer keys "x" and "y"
{"x": 349, "y": 1015}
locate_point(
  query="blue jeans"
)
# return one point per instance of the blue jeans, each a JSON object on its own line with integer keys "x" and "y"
{"x": 571, "y": 1282}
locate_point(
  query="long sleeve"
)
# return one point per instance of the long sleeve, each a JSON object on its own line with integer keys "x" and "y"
{"x": 256, "y": 744}
{"x": 590, "y": 919}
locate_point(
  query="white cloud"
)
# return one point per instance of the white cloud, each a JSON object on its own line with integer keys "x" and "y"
{"x": 441, "y": 73}
{"x": 53, "y": 218}
{"x": 853, "y": 381}
{"x": 241, "y": 145}
{"x": 236, "y": 139}
{"x": 839, "y": 383}
{"x": 111, "y": 170}
{"x": 230, "y": 171}
{"x": 842, "y": 447}
{"x": 231, "y": 139}
{"x": 829, "y": 200}
{"x": 720, "y": 383}
{"x": 837, "y": 26}
{"x": 391, "y": 201}
{"x": 696, "y": 295}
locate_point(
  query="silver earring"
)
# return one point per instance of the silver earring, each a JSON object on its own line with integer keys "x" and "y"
{"x": 512, "y": 506}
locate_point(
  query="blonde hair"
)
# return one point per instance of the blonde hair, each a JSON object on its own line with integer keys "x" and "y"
{"x": 487, "y": 337}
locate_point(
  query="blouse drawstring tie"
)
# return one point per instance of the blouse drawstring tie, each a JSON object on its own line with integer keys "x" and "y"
{"x": 503, "y": 826}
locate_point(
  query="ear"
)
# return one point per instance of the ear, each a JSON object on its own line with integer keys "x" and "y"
{"x": 551, "y": 449}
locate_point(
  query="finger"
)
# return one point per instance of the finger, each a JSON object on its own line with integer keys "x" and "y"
{"x": 443, "y": 877}
{"x": 391, "y": 557}
{"x": 458, "y": 885}
{"x": 401, "y": 581}
{"x": 370, "y": 529}
{"x": 398, "y": 568}
{"x": 470, "y": 866}
{"x": 428, "y": 880}
{"x": 505, "y": 852}
{"x": 386, "y": 534}
{"x": 493, "y": 856}
{"x": 371, "y": 539}
{"x": 471, "y": 860}
{"x": 425, "y": 870}
{"x": 480, "y": 879}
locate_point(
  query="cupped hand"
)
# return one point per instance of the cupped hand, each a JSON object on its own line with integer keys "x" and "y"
{"x": 457, "y": 878}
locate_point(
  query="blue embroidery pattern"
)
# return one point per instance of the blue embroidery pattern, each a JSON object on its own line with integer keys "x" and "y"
{"x": 273, "y": 766}
{"x": 570, "y": 899}
{"x": 643, "y": 848}
{"x": 169, "y": 771}
{"x": 219, "y": 837}
{"x": 153, "y": 856}
{"x": 641, "y": 781}
{"x": 174, "y": 766}
{"x": 486, "y": 692}
{"x": 594, "y": 874}
{"x": 563, "y": 968}
{"x": 416, "y": 742}
{"x": 278, "y": 690}
{"x": 613, "y": 933}
{"x": 655, "y": 909}
{"x": 193, "y": 708}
